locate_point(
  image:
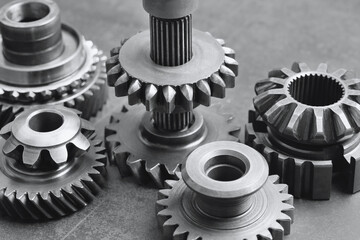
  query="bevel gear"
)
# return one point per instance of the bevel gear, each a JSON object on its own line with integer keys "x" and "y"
{"x": 224, "y": 192}
{"x": 306, "y": 125}
{"x": 171, "y": 69}
{"x": 140, "y": 149}
{"x": 51, "y": 164}
{"x": 47, "y": 62}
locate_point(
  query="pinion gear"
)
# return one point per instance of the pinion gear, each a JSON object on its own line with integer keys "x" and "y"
{"x": 58, "y": 173}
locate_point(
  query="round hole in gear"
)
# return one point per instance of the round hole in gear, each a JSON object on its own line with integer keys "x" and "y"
{"x": 316, "y": 90}
{"x": 46, "y": 121}
{"x": 28, "y": 12}
{"x": 225, "y": 168}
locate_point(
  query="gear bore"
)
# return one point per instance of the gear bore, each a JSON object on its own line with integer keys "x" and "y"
{"x": 51, "y": 164}
{"x": 306, "y": 125}
{"x": 47, "y": 62}
{"x": 225, "y": 193}
{"x": 171, "y": 69}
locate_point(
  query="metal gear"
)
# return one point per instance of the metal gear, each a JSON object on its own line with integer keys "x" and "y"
{"x": 51, "y": 164}
{"x": 47, "y": 62}
{"x": 306, "y": 126}
{"x": 140, "y": 149}
{"x": 225, "y": 193}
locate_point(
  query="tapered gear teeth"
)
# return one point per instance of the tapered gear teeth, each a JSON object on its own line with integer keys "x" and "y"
{"x": 201, "y": 91}
{"x": 151, "y": 95}
{"x": 289, "y": 100}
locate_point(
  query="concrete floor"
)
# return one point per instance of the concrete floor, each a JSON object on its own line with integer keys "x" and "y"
{"x": 265, "y": 35}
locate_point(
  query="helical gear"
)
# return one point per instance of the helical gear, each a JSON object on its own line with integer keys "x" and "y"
{"x": 76, "y": 78}
{"x": 130, "y": 142}
{"x": 306, "y": 126}
{"x": 225, "y": 193}
{"x": 51, "y": 164}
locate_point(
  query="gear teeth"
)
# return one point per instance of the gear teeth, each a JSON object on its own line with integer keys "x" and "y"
{"x": 232, "y": 64}
{"x": 113, "y": 74}
{"x": 169, "y": 94}
{"x": 151, "y": 95}
{"x": 221, "y": 41}
{"x": 217, "y": 86}
{"x": 187, "y": 97}
{"x": 265, "y": 235}
{"x": 203, "y": 93}
{"x": 229, "y": 52}
{"x": 135, "y": 92}
{"x": 121, "y": 85}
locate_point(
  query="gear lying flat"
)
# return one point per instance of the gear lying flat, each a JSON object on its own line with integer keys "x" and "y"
{"x": 225, "y": 193}
{"x": 171, "y": 69}
{"x": 47, "y": 62}
{"x": 130, "y": 140}
{"x": 306, "y": 125}
{"x": 51, "y": 165}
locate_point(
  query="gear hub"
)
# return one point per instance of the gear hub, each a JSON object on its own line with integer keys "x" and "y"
{"x": 44, "y": 61}
{"x": 171, "y": 69}
{"x": 225, "y": 193}
{"x": 306, "y": 125}
{"x": 51, "y": 164}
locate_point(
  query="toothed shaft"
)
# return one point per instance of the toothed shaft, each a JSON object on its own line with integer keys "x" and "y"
{"x": 172, "y": 121}
{"x": 171, "y": 40}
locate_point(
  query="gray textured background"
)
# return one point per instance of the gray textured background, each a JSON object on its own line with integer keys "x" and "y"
{"x": 265, "y": 35}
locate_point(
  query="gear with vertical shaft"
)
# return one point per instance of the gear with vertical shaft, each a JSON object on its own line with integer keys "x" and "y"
{"x": 171, "y": 69}
{"x": 306, "y": 125}
{"x": 45, "y": 62}
{"x": 51, "y": 164}
{"x": 224, "y": 192}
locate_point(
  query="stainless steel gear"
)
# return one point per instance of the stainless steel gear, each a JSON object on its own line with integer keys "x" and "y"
{"x": 225, "y": 193}
{"x": 47, "y": 62}
{"x": 171, "y": 69}
{"x": 140, "y": 149}
{"x": 51, "y": 164}
{"x": 306, "y": 125}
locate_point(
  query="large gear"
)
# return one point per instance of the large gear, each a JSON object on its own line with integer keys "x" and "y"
{"x": 147, "y": 153}
{"x": 225, "y": 193}
{"x": 51, "y": 164}
{"x": 306, "y": 141}
{"x": 74, "y": 77}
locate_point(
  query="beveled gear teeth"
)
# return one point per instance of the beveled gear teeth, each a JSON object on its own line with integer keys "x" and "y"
{"x": 168, "y": 96}
{"x": 286, "y": 101}
{"x": 174, "y": 229}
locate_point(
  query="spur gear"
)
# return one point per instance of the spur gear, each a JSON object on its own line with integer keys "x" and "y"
{"x": 45, "y": 62}
{"x": 306, "y": 125}
{"x": 51, "y": 164}
{"x": 140, "y": 149}
{"x": 225, "y": 193}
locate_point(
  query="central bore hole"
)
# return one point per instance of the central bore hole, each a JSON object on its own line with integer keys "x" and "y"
{"x": 46, "y": 122}
{"x": 316, "y": 90}
{"x": 28, "y": 12}
{"x": 225, "y": 168}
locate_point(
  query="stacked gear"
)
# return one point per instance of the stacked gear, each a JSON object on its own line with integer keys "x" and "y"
{"x": 306, "y": 125}
{"x": 225, "y": 193}
{"x": 171, "y": 69}
{"x": 51, "y": 164}
{"x": 44, "y": 61}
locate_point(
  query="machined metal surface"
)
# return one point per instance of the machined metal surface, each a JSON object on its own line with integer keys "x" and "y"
{"x": 51, "y": 165}
{"x": 224, "y": 192}
{"x": 47, "y": 62}
{"x": 306, "y": 125}
{"x": 140, "y": 149}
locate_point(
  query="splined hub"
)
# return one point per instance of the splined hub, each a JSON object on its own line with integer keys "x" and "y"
{"x": 46, "y": 62}
{"x": 306, "y": 124}
{"x": 51, "y": 164}
{"x": 171, "y": 69}
{"x": 225, "y": 193}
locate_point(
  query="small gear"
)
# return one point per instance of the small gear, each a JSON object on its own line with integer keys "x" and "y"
{"x": 185, "y": 86}
{"x": 306, "y": 126}
{"x": 312, "y": 107}
{"x": 225, "y": 193}
{"x": 51, "y": 165}
{"x": 74, "y": 77}
{"x": 138, "y": 148}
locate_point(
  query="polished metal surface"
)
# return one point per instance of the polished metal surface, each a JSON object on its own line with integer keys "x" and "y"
{"x": 47, "y": 62}
{"x": 51, "y": 165}
{"x": 306, "y": 125}
{"x": 171, "y": 69}
{"x": 224, "y": 192}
